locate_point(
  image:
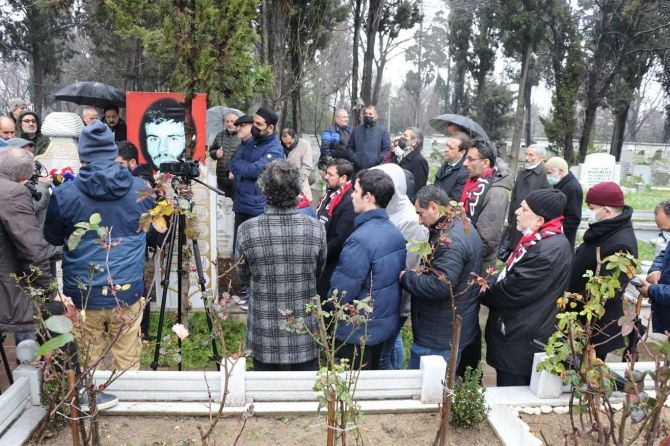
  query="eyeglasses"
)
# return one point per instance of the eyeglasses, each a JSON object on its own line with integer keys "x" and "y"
{"x": 469, "y": 158}
{"x": 29, "y": 121}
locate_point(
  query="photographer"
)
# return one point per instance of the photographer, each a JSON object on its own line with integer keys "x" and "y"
{"x": 21, "y": 242}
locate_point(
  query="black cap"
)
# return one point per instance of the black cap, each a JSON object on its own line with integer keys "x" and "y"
{"x": 244, "y": 119}
{"x": 269, "y": 115}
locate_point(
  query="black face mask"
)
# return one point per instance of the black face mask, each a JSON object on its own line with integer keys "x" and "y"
{"x": 255, "y": 132}
{"x": 368, "y": 121}
{"x": 402, "y": 143}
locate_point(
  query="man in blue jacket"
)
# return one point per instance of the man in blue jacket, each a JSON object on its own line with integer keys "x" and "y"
{"x": 104, "y": 279}
{"x": 369, "y": 266}
{"x": 335, "y": 138}
{"x": 249, "y": 161}
{"x": 369, "y": 143}
{"x": 657, "y": 284}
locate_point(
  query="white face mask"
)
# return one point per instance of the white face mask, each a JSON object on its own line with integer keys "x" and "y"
{"x": 529, "y": 166}
{"x": 399, "y": 152}
{"x": 553, "y": 179}
{"x": 591, "y": 215}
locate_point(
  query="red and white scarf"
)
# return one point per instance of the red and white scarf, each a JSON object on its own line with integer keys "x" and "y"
{"x": 337, "y": 197}
{"x": 474, "y": 192}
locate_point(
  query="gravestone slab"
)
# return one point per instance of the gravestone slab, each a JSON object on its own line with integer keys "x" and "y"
{"x": 598, "y": 167}
{"x": 60, "y": 156}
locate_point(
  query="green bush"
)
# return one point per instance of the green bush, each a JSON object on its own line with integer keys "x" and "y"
{"x": 469, "y": 408}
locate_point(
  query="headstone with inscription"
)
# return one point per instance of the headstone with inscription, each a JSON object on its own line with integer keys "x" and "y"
{"x": 598, "y": 167}
{"x": 61, "y": 156}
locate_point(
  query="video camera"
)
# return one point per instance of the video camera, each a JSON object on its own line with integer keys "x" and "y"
{"x": 186, "y": 169}
{"x": 32, "y": 181}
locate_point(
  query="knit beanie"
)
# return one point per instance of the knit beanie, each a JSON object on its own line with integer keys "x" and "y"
{"x": 605, "y": 194}
{"x": 96, "y": 143}
{"x": 547, "y": 203}
{"x": 16, "y": 103}
{"x": 268, "y": 115}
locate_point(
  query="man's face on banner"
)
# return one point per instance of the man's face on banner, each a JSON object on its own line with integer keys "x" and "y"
{"x": 166, "y": 140}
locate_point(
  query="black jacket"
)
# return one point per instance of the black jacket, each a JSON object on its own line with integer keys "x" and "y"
{"x": 338, "y": 228}
{"x": 432, "y": 320}
{"x": 611, "y": 235}
{"x": 229, "y": 143}
{"x": 522, "y": 305}
{"x": 417, "y": 164}
{"x": 452, "y": 179}
{"x": 572, "y": 189}
{"x": 527, "y": 180}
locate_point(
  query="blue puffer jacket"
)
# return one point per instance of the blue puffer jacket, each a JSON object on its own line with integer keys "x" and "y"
{"x": 250, "y": 159}
{"x": 334, "y": 141}
{"x": 370, "y": 263}
{"x": 659, "y": 295}
{"x": 113, "y": 192}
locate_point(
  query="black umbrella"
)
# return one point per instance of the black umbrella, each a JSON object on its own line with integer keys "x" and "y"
{"x": 441, "y": 123}
{"x": 92, "y": 93}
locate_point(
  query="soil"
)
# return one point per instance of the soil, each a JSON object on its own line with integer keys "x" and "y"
{"x": 303, "y": 430}
{"x": 554, "y": 429}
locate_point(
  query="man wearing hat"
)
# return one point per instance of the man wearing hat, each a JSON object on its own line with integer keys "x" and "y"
{"x": 105, "y": 188}
{"x": 29, "y": 127}
{"x": 522, "y": 296}
{"x": 222, "y": 150}
{"x": 21, "y": 143}
{"x": 16, "y": 107}
{"x": 611, "y": 231}
{"x": 249, "y": 161}
{"x": 560, "y": 177}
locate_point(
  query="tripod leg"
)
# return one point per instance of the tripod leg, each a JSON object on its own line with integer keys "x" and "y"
{"x": 201, "y": 282}
{"x": 181, "y": 276}
{"x": 165, "y": 284}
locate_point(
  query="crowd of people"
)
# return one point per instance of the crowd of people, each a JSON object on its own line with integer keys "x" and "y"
{"x": 355, "y": 242}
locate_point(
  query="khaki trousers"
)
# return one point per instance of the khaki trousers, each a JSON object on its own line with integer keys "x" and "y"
{"x": 102, "y": 326}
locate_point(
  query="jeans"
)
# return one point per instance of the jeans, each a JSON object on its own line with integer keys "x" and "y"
{"x": 24, "y": 335}
{"x": 393, "y": 354}
{"x": 417, "y": 351}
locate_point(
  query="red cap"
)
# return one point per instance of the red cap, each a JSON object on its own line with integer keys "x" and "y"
{"x": 605, "y": 194}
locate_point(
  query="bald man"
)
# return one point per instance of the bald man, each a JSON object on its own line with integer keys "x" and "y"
{"x": 7, "y": 128}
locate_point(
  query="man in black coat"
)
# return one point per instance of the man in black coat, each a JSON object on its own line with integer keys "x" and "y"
{"x": 452, "y": 175}
{"x": 447, "y": 279}
{"x": 559, "y": 176}
{"x": 522, "y": 297}
{"x": 530, "y": 178}
{"x": 369, "y": 143}
{"x": 611, "y": 230}
{"x": 336, "y": 212}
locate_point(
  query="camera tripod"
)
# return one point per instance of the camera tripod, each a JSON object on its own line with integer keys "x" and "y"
{"x": 177, "y": 239}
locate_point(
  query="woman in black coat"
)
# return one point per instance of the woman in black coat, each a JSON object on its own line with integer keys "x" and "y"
{"x": 611, "y": 230}
{"x": 522, "y": 297}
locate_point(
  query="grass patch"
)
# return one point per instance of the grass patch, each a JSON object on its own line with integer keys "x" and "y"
{"x": 197, "y": 347}
{"x": 646, "y": 200}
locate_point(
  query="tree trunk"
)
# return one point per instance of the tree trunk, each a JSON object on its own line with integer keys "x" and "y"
{"x": 480, "y": 95}
{"x": 518, "y": 119}
{"x": 585, "y": 138}
{"x": 356, "y": 116}
{"x": 527, "y": 107}
{"x": 375, "y": 8}
{"x": 568, "y": 148}
{"x": 620, "y": 118}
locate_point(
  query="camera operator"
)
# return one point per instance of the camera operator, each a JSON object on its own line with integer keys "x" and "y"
{"x": 21, "y": 242}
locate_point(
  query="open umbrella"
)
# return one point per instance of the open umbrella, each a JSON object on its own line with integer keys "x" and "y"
{"x": 92, "y": 93}
{"x": 441, "y": 123}
{"x": 215, "y": 117}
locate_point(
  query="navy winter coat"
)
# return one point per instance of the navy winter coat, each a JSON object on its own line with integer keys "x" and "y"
{"x": 369, "y": 265}
{"x": 659, "y": 294}
{"x": 452, "y": 179}
{"x": 120, "y": 199}
{"x": 368, "y": 146}
{"x": 249, "y": 161}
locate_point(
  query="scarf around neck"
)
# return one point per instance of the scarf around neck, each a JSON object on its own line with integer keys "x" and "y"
{"x": 549, "y": 229}
{"x": 337, "y": 197}
{"x": 474, "y": 192}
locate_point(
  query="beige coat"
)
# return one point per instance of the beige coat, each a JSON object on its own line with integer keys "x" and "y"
{"x": 301, "y": 157}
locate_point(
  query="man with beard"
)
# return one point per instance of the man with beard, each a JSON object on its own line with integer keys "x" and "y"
{"x": 30, "y": 127}
{"x": 336, "y": 212}
{"x": 369, "y": 143}
{"x": 222, "y": 150}
{"x": 452, "y": 175}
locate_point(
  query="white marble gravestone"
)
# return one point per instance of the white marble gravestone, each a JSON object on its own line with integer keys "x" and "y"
{"x": 599, "y": 167}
